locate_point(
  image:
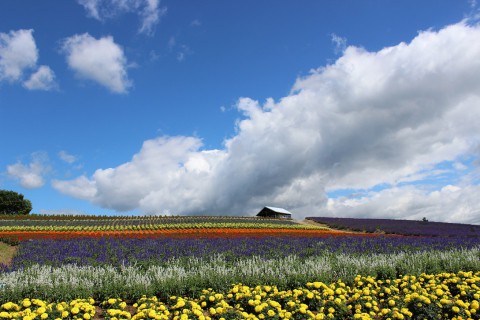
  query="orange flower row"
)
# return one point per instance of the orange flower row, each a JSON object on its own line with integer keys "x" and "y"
{"x": 181, "y": 233}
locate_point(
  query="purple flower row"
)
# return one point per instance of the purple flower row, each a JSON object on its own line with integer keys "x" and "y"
{"x": 405, "y": 227}
{"x": 146, "y": 252}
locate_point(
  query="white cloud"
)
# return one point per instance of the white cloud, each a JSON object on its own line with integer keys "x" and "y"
{"x": 31, "y": 176}
{"x": 100, "y": 60}
{"x": 449, "y": 204}
{"x": 149, "y": 11}
{"x": 65, "y": 156}
{"x": 18, "y": 53}
{"x": 42, "y": 79}
{"x": 81, "y": 187}
{"x": 370, "y": 118}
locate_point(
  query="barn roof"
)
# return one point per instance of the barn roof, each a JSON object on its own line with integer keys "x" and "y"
{"x": 279, "y": 210}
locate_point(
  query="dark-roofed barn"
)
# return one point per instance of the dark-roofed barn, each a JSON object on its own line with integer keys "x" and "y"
{"x": 272, "y": 212}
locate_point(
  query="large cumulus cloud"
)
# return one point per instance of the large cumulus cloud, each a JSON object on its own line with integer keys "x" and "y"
{"x": 370, "y": 118}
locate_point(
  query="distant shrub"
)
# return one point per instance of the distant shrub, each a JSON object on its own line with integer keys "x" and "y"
{"x": 12, "y": 202}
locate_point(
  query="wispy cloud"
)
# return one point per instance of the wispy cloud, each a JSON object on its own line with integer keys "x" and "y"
{"x": 370, "y": 118}
{"x": 339, "y": 43}
{"x": 66, "y": 157}
{"x": 196, "y": 23}
{"x": 100, "y": 60}
{"x": 149, "y": 11}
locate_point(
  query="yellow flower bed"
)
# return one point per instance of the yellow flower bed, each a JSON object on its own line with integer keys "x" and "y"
{"x": 440, "y": 296}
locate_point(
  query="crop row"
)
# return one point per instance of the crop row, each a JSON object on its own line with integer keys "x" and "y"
{"x": 406, "y": 227}
{"x": 169, "y": 226}
{"x": 131, "y": 219}
{"x": 15, "y": 236}
{"x": 434, "y": 296}
{"x": 144, "y": 253}
{"x": 187, "y": 277}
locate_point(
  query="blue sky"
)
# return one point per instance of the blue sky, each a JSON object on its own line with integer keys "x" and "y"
{"x": 340, "y": 108}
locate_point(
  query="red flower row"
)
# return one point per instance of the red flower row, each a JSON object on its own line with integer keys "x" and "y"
{"x": 181, "y": 233}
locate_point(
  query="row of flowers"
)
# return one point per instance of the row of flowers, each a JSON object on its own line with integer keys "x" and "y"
{"x": 440, "y": 296}
{"x": 136, "y": 220}
{"x": 169, "y": 226}
{"x": 225, "y": 232}
{"x": 405, "y": 227}
{"x": 126, "y": 217}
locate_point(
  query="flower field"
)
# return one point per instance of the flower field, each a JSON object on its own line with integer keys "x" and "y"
{"x": 231, "y": 268}
{"x": 439, "y": 296}
{"x": 154, "y": 227}
{"x": 404, "y": 227}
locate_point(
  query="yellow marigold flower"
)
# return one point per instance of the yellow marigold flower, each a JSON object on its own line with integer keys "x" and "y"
{"x": 7, "y": 306}
{"x": 75, "y": 310}
{"x": 152, "y": 313}
{"x": 271, "y": 313}
{"x": 65, "y": 314}
{"x": 26, "y": 303}
{"x": 180, "y": 303}
{"x": 86, "y": 316}
{"x": 474, "y": 305}
{"x": 41, "y": 310}
{"x": 455, "y": 309}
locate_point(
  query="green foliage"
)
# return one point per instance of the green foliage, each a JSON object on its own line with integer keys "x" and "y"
{"x": 12, "y": 203}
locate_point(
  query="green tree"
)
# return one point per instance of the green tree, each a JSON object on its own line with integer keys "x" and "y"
{"x": 12, "y": 202}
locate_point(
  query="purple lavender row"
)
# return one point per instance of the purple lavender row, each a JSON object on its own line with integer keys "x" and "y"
{"x": 146, "y": 252}
{"x": 406, "y": 227}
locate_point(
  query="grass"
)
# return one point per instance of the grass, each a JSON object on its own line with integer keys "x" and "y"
{"x": 6, "y": 253}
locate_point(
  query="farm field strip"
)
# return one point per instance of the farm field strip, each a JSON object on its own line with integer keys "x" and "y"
{"x": 105, "y": 220}
{"x": 432, "y": 296}
{"x": 187, "y": 277}
{"x": 172, "y": 226}
{"x": 119, "y": 252}
{"x": 177, "y": 233}
{"x": 405, "y": 227}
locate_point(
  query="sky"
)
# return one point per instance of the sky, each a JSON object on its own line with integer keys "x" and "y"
{"x": 339, "y": 108}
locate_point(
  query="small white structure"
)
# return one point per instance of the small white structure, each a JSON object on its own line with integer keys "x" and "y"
{"x": 273, "y": 212}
